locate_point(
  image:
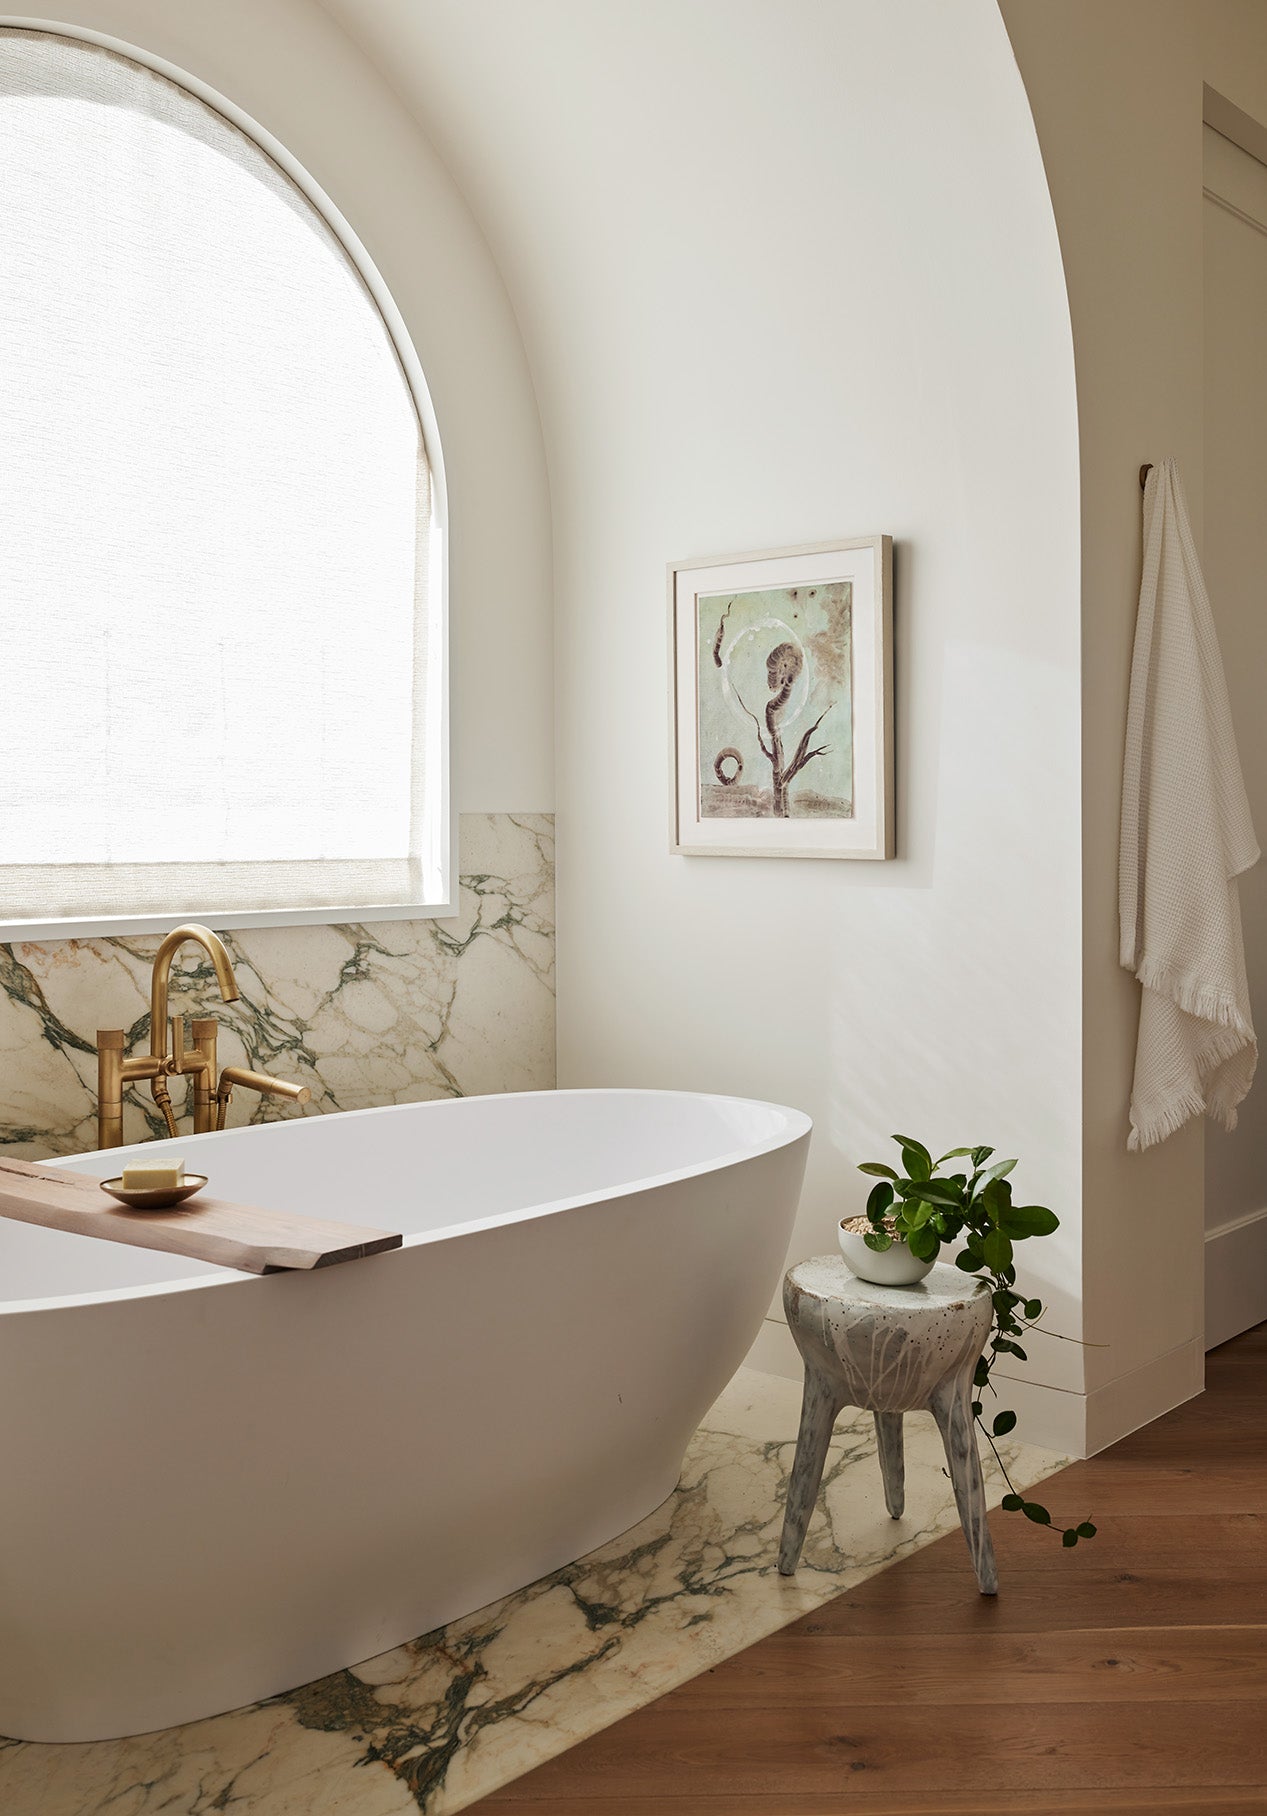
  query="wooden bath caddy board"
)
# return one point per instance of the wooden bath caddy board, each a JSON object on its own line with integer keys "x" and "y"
{"x": 211, "y": 1229}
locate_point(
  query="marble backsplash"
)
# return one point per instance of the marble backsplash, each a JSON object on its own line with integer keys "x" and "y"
{"x": 392, "y": 1012}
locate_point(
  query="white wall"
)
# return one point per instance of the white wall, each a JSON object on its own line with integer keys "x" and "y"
{"x": 1116, "y": 92}
{"x": 785, "y": 272}
{"x": 1235, "y": 395}
{"x": 290, "y": 67}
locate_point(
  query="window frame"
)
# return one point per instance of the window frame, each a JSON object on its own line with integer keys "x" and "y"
{"x": 437, "y": 729}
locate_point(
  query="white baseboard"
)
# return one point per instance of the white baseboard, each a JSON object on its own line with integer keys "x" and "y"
{"x": 1080, "y": 1425}
{"x": 1054, "y": 1417}
{"x": 1073, "y": 1424}
{"x": 1235, "y": 1277}
{"x": 1122, "y": 1406}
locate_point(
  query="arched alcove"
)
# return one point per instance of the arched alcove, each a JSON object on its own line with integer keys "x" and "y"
{"x": 786, "y": 274}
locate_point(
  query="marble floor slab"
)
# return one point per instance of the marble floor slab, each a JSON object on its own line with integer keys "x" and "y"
{"x": 437, "y": 1724}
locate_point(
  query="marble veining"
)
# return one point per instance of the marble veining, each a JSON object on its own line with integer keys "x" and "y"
{"x": 393, "y": 1012}
{"x": 437, "y": 1724}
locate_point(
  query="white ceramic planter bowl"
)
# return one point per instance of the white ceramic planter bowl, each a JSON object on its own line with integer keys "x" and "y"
{"x": 894, "y": 1266}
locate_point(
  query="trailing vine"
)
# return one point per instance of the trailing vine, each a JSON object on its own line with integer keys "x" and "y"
{"x": 927, "y": 1208}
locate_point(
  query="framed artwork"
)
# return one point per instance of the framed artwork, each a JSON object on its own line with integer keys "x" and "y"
{"x": 782, "y": 704}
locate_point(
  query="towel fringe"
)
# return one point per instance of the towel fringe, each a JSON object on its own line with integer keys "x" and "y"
{"x": 1206, "y": 1001}
{"x": 1222, "y": 1106}
{"x": 1167, "y": 1122}
{"x": 1171, "y": 1120}
{"x": 1225, "y": 1042}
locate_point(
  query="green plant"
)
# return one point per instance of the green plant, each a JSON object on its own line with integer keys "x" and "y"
{"x": 926, "y": 1208}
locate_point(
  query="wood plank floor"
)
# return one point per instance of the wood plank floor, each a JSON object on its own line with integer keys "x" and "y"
{"x": 1127, "y": 1675}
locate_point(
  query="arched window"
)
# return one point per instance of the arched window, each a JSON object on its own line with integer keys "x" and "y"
{"x": 219, "y": 570}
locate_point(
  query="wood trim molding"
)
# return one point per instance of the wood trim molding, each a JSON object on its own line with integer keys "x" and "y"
{"x": 1235, "y": 1276}
{"x": 1234, "y": 123}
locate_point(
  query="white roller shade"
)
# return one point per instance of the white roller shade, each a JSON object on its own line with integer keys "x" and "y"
{"x": 221, "y": 644}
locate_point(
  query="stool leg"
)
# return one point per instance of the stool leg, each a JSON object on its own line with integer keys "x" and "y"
{"x": 888, "y": 1437}
{"x": 819, "y": 1406}
{"x": 951, "y": 1406}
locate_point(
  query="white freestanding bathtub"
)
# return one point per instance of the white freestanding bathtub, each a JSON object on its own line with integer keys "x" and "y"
{"x": 216, "y": 1486}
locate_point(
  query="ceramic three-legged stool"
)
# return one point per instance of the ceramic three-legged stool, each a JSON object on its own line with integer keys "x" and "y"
{"x": 890, "y": 1350}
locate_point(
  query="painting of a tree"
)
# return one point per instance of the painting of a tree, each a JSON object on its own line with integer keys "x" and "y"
{"x": 775, "y": 678}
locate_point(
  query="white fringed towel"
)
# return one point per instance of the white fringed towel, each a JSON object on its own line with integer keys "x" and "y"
{"x": 1186, "y": 836}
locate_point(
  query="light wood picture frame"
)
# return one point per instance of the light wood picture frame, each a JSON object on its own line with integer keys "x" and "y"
{"x": 782, "y": 702}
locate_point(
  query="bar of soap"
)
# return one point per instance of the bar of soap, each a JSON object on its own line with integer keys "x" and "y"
{"x": 150, "y": 1177}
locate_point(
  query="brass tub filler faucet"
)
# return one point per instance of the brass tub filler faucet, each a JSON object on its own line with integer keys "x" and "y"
{"x": 211, "y": 1094}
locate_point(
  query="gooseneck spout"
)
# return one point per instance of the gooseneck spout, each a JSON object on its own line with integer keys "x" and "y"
{"x": 214, "y": 947}
{"x": 195, "y": 1062}
{"x": 160, "y": 979}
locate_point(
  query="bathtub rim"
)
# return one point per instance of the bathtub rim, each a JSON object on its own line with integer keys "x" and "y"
{"x": 798, "y": 1126}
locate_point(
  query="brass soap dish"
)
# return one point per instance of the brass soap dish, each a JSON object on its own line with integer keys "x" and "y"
{"x": 154, "y": 1197}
